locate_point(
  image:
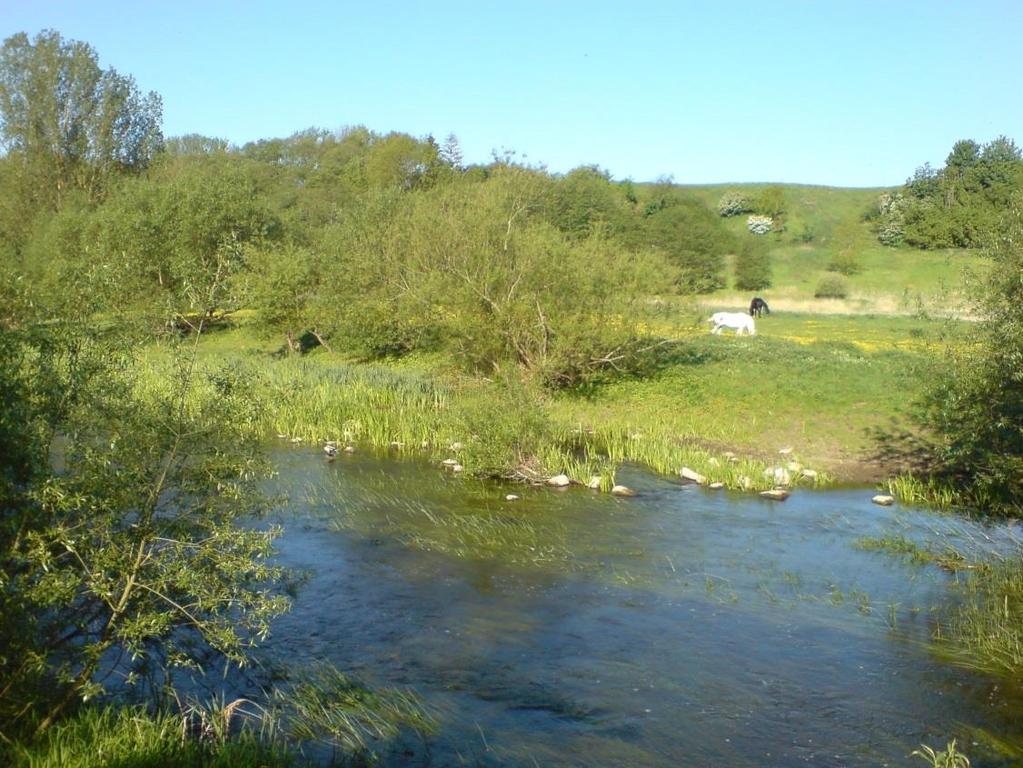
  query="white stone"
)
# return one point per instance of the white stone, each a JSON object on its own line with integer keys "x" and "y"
{"x": 559, "y": 481}
{"x": 716, "y": 486}
{"x": 692, "y": 475}
{"x": 449, "y": 462}
{"x": 594, "y": 482}
{"x": 883, "y": 499}
{"x": 349, "y": 449}
{"x": 775, "y": 494}
{"x": 623, "y": 490}
{"x": 457, "y": 468}
{"x": 785, "y": 451}
{"x": 456, "y": 446}
{"x": 511, "y": 497}
{"x": 810, "y": 473}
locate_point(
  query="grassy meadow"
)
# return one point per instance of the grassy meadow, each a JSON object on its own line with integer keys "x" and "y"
{"x": 822, "y": 223}
{"x": 817, "y": 382}
{"x": 812, "y": 385}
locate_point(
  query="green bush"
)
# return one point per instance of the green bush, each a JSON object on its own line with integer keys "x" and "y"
{"x": 752, "y": 266}
{"x": 732, "y": 203}
{"x": 832, "y": 287}
{"x": 845, "y": 263}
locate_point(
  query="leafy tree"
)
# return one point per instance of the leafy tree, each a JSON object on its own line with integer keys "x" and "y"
{"x": 771, "y": 201}
{"x": 975, "y": 407}
{"x": 67, "y": 123}
{"x": 171, "y": 233}
{"x": 120, "y": 552}
{"x": 284, "y": 286}
{"x": 960, "y": 204}
{"x": 584, "y": 199}
{"x": 752, "y": 265}
{"x": 398, "y": 161}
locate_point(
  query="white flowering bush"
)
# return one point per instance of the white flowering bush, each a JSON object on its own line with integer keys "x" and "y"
{"x": 732, "y": 203}
{"x": 892, "y": 228}
{"x": 759, "y": 225}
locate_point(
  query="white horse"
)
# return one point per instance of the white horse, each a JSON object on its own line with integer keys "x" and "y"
{"x": 740, "y": 321}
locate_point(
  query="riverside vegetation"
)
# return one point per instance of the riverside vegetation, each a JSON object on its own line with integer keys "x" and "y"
{"x": 167, "y": 304}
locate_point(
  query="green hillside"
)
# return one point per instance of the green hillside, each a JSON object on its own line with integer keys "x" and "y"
{"x": 821, "y": 224}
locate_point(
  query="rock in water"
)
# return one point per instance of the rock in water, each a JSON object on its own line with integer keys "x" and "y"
{"x": 883, "y": 499}
{"x": 559, "y": 481}
{"x": 776, "y": 494}
{"x": 716, "y": 486}
{"x": 693, "y": 476}
{"x": 623, "y": 490}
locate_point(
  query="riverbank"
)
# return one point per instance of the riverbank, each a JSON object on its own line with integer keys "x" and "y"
{"x": 811, "y": 389}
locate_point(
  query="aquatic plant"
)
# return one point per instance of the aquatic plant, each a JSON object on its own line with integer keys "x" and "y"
{"x": 928, "y": 492}
{"x": 950, "y": 757}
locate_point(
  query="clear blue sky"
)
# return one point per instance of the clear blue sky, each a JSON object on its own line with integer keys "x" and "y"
{"x": 847, "y": 93}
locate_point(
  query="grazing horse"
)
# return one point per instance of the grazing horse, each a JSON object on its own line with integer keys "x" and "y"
{"x": 740, "y": 321}
{"x": 757, "y": 307}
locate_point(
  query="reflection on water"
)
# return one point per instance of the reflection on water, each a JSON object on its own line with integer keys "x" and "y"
{"x": 679, "y": 627}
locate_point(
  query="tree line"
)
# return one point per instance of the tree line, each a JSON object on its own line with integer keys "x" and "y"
{"x": 957, "y": 206}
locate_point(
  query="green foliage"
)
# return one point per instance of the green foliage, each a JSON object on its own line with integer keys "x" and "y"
{"x": 975, "y": 408}
{"x": 771, "y": 201}
{"x": 832, "y": 287}
{"x": 752, "y": 266}
{"x": 950, "y": 757}
{"x": 131, "y": 737}
{"x": 584, "y": 201}
{"x": 68, "y": 124}
{"x": 732, "y": 203}
{"x": 687, "y": 234}
{"x": 958, "y": 205}
{"x": 121, "y": 535}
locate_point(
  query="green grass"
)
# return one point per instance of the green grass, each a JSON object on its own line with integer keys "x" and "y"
{"x": 128, "y": 737}
{"x": 890, "y": 280}
{"x": 815, "y": 384}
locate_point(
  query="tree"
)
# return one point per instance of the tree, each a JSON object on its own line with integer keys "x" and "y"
{"x": 752, "y": 265}
{"x": 771, "y": 201}
{"x": 451, "y": 152}
{"x": 975, "y": 408}
{"x": 69, "y": 124}
{"x": 123, "y": 556}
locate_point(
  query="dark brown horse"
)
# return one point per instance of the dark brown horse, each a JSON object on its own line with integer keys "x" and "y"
{"x": 758, "y": 306}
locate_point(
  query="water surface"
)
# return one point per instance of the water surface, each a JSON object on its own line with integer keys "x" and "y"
{"x": 679, "y": 627}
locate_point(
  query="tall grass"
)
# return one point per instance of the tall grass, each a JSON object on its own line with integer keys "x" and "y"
{"x": 127, "y": 737}
{"x": 923, "y": 492}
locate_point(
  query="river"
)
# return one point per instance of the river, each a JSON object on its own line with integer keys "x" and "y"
{"x": 678, "y": 627}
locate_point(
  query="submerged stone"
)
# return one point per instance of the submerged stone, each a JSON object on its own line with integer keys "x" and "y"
{"x": 623, "y": 490}
{"x": 776, "y": 494}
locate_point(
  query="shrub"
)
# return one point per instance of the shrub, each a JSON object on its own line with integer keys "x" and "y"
{"x": 732, "y": 203}
{"x": 845, "y": 262}
{"x": 832, "y": 287}
{"x": 891, "y": 212}
{"x": 752, "y": 266}
{"x": 759, "y": 225}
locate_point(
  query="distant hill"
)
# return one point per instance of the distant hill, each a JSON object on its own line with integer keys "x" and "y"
{"x": 825, "y": 225}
